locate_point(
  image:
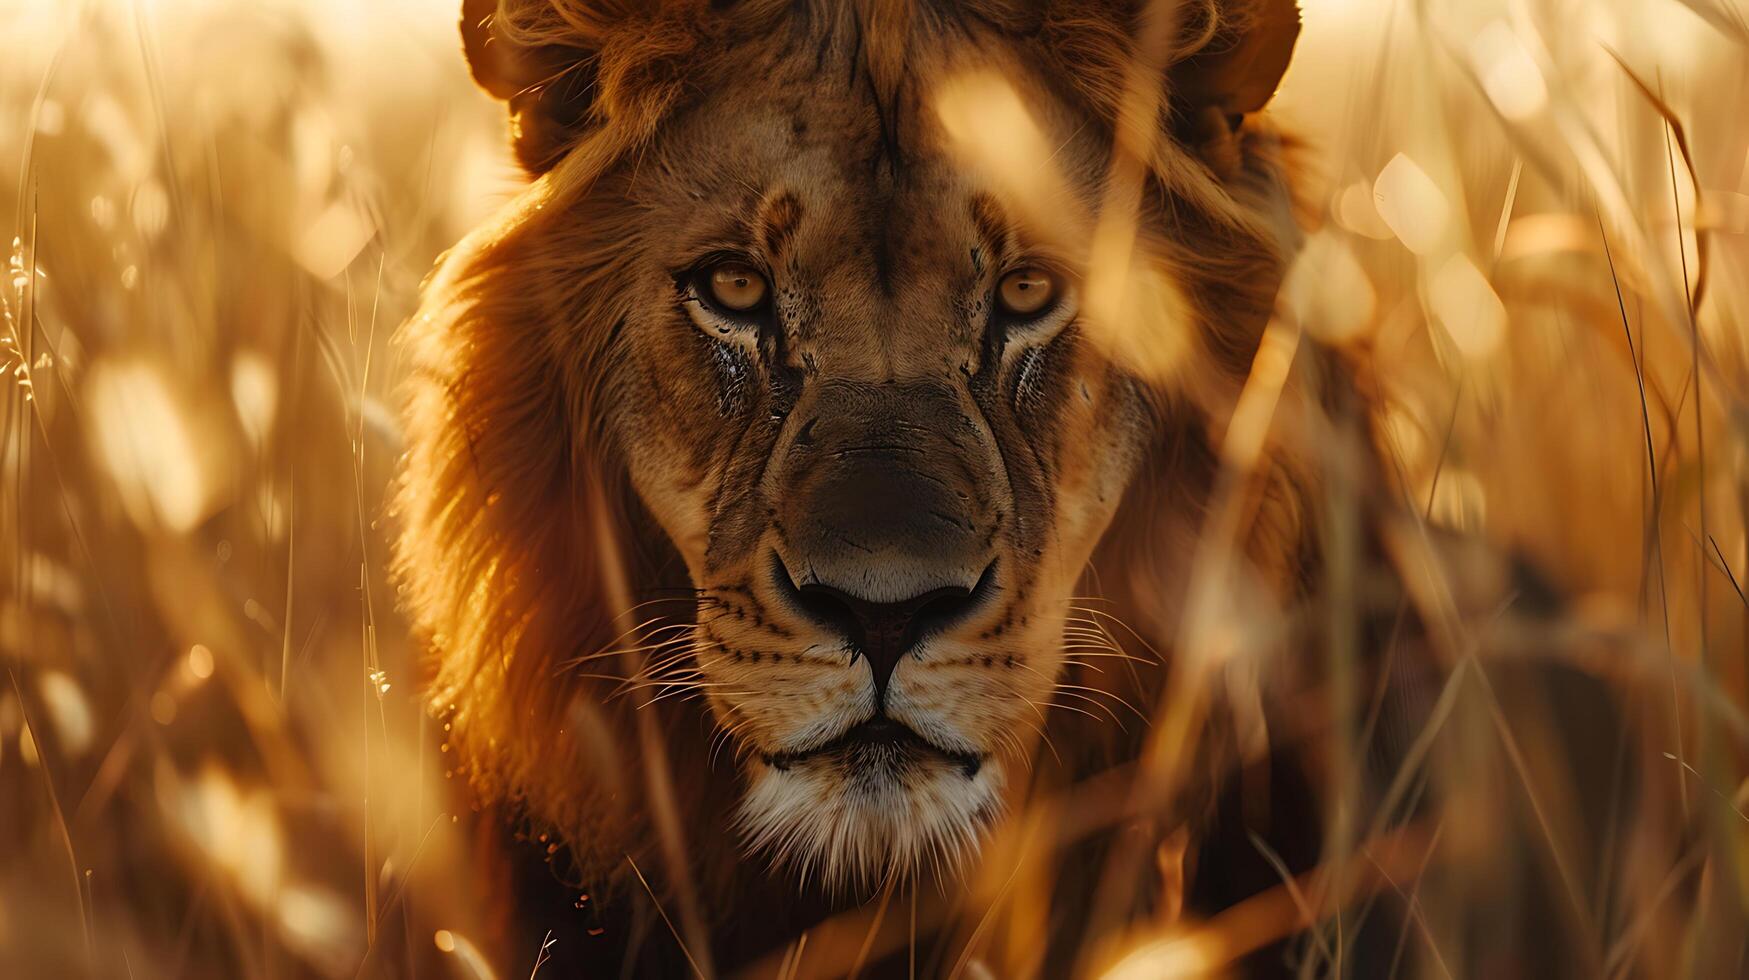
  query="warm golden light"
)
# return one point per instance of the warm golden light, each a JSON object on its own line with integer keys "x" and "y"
{"x": 1502, "y": 395}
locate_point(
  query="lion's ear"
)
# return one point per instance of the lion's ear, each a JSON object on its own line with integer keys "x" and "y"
{"x": 1233, "y": 74}
{"x": 545, "y": 76}
{"x": 1236, "y": 72}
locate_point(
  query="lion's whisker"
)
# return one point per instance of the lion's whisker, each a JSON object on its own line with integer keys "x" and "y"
{"x": 1079, "y": 711}
{"x": 1113, "y": 695}
{"x": 1127, "y": 628}
{"x": 641, "y": 648}
{"x": 690, "y": 689}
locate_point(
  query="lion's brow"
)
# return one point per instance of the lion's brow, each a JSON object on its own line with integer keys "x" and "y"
{"x": 779, "y": 216}
{"x": 991, "y": 224}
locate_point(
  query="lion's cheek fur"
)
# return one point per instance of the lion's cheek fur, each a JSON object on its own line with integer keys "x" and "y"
{"x": 775, "y": 707}
{"x": 661, "y": 430}
{"x": 981, "y": 697}
{"x": 677, "y": 497}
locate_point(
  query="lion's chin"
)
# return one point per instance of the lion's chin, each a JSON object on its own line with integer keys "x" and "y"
{"x": 855, "y": 820}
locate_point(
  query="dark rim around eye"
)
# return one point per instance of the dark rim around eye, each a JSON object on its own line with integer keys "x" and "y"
{"x": 701, "y": 288}
{"x": 1058, "y": 289}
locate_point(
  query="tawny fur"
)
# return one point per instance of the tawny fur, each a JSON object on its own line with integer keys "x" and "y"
{"x": 540, "y": 577}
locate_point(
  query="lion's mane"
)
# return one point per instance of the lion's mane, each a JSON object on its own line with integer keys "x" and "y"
{"x": 523, "y": 551}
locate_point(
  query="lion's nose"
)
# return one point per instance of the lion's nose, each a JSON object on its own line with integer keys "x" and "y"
{"x": 883, "y": 632}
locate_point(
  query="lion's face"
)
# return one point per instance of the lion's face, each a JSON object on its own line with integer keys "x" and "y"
{"x": 860, "y": 405}
{"x": 766, "y": 285}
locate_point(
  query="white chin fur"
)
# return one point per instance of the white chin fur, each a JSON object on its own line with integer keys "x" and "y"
{"x": 858, "y": 829}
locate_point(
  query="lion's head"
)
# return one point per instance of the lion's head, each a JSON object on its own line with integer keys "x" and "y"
{"x": 804, "y": 383}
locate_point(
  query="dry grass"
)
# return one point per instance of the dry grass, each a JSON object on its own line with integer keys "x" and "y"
{"x": 213, "y": 761}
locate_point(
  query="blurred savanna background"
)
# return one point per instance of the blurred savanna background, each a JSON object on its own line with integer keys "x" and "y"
{"x": 1529, "y": 229}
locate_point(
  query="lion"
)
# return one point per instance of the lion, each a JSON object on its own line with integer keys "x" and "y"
{"x": 786, "y": 449}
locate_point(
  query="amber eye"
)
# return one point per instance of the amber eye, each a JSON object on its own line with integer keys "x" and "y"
{"x": 1026, "y": 291}
{"x": 737, "y": 286}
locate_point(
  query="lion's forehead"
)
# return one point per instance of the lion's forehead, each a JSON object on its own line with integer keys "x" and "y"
{"x": 882, "y": 244}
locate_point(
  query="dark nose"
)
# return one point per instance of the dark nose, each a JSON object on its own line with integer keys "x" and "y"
{"x": 883, "y": 632}
{"x": 886, "y": 491}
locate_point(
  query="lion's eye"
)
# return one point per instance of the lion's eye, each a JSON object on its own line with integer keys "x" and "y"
{"x": 1026, "y": 292}
{"x": 737, "y": 287}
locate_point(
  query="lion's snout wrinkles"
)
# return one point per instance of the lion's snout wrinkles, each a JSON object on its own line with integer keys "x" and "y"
{"x": 887, "y": 491}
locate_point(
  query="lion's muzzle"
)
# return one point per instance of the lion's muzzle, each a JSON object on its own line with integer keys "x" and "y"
{"x": 892, "y": 502}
